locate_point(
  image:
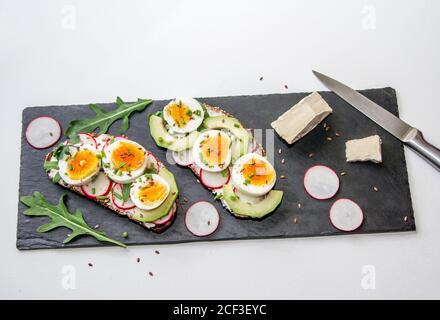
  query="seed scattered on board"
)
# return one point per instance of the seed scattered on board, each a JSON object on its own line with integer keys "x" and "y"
{"x": 286, "y": 87}
{"x": 405, "y": 218}
{"x": 151, "y": 274}
{"x": 295, "y": 220}
{"x": 311, "y": 155}
{"x": 329, "y": 138}
{"x": 157, "y": 252}
{"x": 138, "y": 260}
{"x": 282, "y": 177}
{"x": 90, "y": 264}
{"x": 261, "y": 78}
{"x": 343, "y": 173}
{"x": 96, "y": 226}
{"x": 279, "y": 151}
{"x": 376, "y": 189}
{"x": 283, "y": 161}
{"x": 299, "y": 205}
{"x": 337, "y": 134}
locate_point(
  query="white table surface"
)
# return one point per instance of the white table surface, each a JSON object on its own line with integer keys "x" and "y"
{"x": 77, "y": 52}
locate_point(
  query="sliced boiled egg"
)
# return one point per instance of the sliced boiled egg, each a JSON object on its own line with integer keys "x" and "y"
{"x": 79, "y": 167}
{"x": 212, "y": 150}
{"x": 253, "y": 174}
{"x": 124, "y": 161}
{"x": 183, "y": 115}
{"x": 149, "y": 191}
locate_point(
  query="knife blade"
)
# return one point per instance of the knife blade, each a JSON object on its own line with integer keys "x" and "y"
{"x": 397, "y": 127}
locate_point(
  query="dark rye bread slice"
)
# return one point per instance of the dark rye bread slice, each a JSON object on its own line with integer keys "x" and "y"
{"x": 254, "y": 147}
{"x": 108, "y": 202}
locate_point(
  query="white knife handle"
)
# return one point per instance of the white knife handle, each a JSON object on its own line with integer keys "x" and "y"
{"x": 424, "y": 148}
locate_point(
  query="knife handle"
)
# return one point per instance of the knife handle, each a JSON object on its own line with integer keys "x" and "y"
{"x": 424, "y": 148}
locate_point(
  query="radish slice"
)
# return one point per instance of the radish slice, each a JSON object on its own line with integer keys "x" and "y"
{"x": 202, "y": 219}
{"x": 152, "y": 159}
{"x": 247, "y": 198}
{"x": 214, "y": 180}
{"x": 101, "y": 186}
{"x": 346, "y": 215}
{"x": 43, "y": 132}
{"x": 168, "y": 217}
{"x": 87, "y": 138}
{"x": 117, "y": 189}
{"x": 321, "y": 182}
{"x": 183, "y": 158}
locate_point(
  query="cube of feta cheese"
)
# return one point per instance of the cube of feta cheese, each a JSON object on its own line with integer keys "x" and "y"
{"x": 366, "y": 149}
{"x": 302, "y": 118}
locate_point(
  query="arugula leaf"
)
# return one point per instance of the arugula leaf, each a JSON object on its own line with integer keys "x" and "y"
{"x": 126, "y": 192}
{"x": 61, "y": 217}
{"x": 104, "y": 119}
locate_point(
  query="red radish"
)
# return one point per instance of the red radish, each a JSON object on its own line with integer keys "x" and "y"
{"x": 168, "y": 217}
{"x": 101, "y": 186}
{"x": 87, "y": 138}
{"x": 102, "y": 141}
{"x": 151, "y": 158}
{"x": 183, "y": 158}
{"x": 214, "y": 180}
{"x": 119, "y": 203}
{"x": 321, "y": 182}
{"x": 43, "y": 132}
{"x": 346, "y": 215}
{"x": 202, "y": 219}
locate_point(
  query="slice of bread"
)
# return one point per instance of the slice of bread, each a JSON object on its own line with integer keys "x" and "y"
{"x": 107, "y": 201}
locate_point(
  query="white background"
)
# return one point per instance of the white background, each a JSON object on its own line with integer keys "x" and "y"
{"x": 161, "y": 49}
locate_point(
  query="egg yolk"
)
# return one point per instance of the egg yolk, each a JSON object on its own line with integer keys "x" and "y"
{"x": 257, "y": 172}
{"x": 215, "y": 149}
{"x": 152, "y": 192}
{"x": 83, "y": 164}
{"x": 180, "y": 113}
{"x": 127, "y": 157}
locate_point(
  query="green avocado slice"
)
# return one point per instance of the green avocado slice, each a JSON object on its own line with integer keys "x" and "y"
{"x": 165, "y": 140}
{"x": 234, "y": 126}
{"x": 266, "y": 206}
{"x": 161, "y": 211}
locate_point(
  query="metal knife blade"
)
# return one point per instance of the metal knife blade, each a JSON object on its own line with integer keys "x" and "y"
{"x": 400, "y": 129}
{"x": 397, "y": 127}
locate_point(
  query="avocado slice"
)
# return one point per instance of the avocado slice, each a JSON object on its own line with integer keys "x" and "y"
{"x": 266, "y": 206}
{"x": 233, "y": 125}
{"x": 165, "y": 140}
{"x": 161, "y": 211}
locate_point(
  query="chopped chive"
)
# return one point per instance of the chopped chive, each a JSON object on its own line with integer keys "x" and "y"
{"x": 237, "y": 125}
{"x": 101, "y": 197}
{"x": 93, "y": 190}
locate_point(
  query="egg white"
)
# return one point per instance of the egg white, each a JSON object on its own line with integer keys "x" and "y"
{"x": 196, "y": 151}
{"x": 125, "y": 177}
{"x": 238, "y": 179}
{"x": 193, "y": 124}
{"x": 63, "y": 165}
{"x": 142, "y": 181}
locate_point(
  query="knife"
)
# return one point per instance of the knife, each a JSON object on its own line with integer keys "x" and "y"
{"x": 400, "y": 129}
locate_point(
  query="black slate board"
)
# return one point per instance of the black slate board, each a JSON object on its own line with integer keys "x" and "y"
{"x": 384, "y": 210}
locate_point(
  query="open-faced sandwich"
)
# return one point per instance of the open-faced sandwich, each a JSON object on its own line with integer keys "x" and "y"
{"x": 119, "y": 174}
{"x": 222, "y": 153}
